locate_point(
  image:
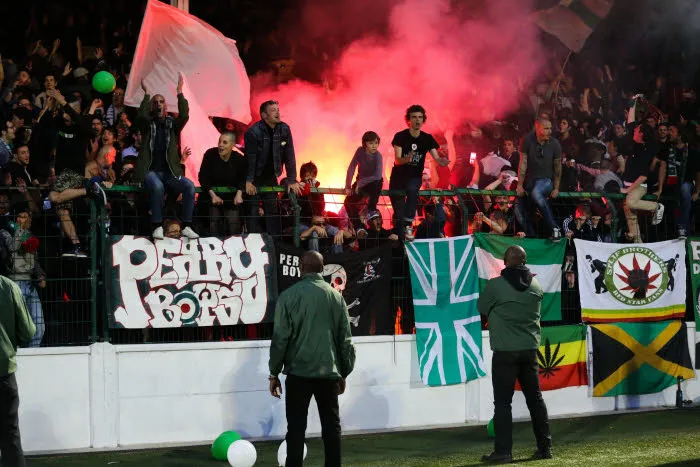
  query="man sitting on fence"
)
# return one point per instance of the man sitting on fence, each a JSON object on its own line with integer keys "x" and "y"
{"x": 160, "y": 164}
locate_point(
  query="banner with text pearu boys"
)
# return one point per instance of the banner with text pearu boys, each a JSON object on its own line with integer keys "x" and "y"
{"x": 634, "y": 282}
{"x": 187, "y": 283}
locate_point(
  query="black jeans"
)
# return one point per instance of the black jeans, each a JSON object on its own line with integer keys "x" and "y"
{"x": 353, "y": 203}
{"x": 270, "y": 209}
{"x": 298, "y": 396}
{"x": 506, "y": 367}
{"x": 10, "y": 442}
{"x": 224, "y": 221}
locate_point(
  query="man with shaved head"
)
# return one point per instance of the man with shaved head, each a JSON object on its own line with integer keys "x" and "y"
{"x": 511, "y": 304}
{"x": 312, "y": 345}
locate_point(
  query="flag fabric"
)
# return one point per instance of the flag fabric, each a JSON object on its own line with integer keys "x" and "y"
{"x": 619, "y": 283}
{"x": 639, "y": 358}
{"x": 562, "y": 357}
{"x": 544, "y": 258}
{"x": 362, "y": 277}
{"x": 694, "y": 261}
{"x": 445, "y": 287}
{"x": 173, "y": 41}
{"x": 573, "y": 21}
{"x": 198, "y": 135}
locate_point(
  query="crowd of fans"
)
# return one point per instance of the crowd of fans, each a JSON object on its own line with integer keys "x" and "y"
{"x": 61, "y": 143}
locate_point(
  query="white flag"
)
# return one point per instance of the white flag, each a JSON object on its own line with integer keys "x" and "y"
{"x": 173, "y": 41}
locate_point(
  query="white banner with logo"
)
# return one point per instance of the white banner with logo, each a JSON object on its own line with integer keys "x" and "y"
{"x": 631, "y": 282}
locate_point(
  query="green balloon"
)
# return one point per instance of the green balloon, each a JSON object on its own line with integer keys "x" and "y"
{"x": 219, "y": 449}
{"x": 104, "y": 82}
{"x": 490, "y": 429}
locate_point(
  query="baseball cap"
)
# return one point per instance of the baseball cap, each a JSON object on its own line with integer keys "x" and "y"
{"x": 373, "y": 215}
{"x": 80, "y": 72}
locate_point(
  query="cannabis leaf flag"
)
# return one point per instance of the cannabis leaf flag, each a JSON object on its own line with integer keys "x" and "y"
{"x": 562, "y": 357}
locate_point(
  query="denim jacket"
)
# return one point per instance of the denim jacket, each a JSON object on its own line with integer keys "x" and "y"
{"x": 257, "y": 142}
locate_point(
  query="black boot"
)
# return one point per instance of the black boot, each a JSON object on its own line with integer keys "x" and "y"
{"x": 497, "y": 458}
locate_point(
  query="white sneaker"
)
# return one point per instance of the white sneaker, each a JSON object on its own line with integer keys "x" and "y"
{"x": 408, "y": 231}
{"x": 158, "y": 234}
{"x": 658, "y": 215}
{"x": 189, "y": 233}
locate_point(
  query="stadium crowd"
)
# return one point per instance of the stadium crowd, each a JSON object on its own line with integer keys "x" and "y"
{"x": 62, "y": 144}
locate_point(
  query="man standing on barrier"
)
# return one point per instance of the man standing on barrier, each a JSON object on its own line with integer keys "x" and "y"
{"x": 312, "y": 345}
{"x": 511, "y": 304}
{"x": 16, "y": 327}
{"x": 268, "y": 147}
{"x": 539, "y": 175}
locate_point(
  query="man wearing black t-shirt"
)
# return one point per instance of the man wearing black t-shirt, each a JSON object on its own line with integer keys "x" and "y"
{"x": 410, "y": 148}
{"x": 539, "y": 175}
{"x": 639, "y": 174}
{"x": 688, "y": 161}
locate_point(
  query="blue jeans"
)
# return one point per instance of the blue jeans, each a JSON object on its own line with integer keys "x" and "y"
{"x": 538, "y": 190}
{"x": 405, "y": 206}
{"x": 33, "y": 303}
{"x": 683, "y": 220}
{"x": 156, "y": 182}
{"x": 313, "y": 240}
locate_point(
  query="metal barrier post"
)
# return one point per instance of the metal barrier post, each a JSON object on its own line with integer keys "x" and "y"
{"x": 93, "y": 272}
{"x": 297, "y": 218}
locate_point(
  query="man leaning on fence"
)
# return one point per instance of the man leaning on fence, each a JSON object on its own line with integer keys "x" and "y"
{"x": 312, "y": 345}
{"x": 16, "y": 327}
{"x": 511, "y": 304}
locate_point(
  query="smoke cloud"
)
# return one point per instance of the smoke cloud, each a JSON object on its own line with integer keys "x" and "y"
{"x": 461, "y": 64}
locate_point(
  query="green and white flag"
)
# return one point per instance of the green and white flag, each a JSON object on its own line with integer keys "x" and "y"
{"x": 544, "y": 259}
{"x": 445, "y": 289}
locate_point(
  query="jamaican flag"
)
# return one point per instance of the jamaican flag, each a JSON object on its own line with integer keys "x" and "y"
{"x": 639, "y": 358}
{"x": 562, "y": 357}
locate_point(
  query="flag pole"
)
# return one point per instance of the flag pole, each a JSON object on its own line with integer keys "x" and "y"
{"x": 559, "y": 77}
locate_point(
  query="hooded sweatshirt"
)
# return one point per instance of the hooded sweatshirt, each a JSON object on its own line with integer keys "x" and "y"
{"x": 511, "y": 304}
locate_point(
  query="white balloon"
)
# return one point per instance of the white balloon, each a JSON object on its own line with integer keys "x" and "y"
{"x": 242, "y": 453}
{"x": 282, "y": 453}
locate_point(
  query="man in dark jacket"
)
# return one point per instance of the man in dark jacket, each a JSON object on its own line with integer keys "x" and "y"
{"x": 160, "y": 164}
{"x": 312, "y": 345}
{"x": 511, "y": 304}
{"x": 16, "y": 327}
{"x": 269, "y": 146}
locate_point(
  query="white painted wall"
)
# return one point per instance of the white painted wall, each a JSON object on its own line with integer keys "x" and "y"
{"x": 106, "y": 396}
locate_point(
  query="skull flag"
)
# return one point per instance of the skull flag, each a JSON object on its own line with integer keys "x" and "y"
{"x": 362, "y": 278}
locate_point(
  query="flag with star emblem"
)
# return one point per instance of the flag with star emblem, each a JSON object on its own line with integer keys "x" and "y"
{"x": 639, "y": 358}
{"x": 544, "y": 259}
{"x": 445, "y": 285}
{"x": 641, "y": 282}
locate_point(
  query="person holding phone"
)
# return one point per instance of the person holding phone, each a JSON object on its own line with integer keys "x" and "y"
{"x": 312, "y": 345}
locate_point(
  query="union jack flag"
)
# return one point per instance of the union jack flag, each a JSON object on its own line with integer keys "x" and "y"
{"x": 445, "y": 285}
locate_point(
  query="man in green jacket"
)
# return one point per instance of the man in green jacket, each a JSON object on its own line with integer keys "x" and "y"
{"x": 511, "y": 304}
{"x": 160, "y": 164}
{"x": 312, "y": 345}
{"x": 16, "y": 327}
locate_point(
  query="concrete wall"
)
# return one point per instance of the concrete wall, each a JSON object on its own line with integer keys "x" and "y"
{"x": 106, "y": 396}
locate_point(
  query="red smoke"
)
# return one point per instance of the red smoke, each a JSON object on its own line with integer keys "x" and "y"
{"x": 461, "y": 65}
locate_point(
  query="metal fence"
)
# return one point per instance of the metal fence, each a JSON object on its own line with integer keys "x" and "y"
{"x": 75, "y": 301}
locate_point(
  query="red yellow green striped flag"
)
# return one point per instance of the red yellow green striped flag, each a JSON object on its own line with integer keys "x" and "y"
{"x": 562, "y": 357}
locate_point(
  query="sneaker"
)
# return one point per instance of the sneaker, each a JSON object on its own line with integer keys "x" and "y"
{"x": 497, "y": 458}
{"x": 542, "y": 454}
{"x": 76, "y": 252}
{"x": 682, "y": 234}
{"x": 556, "y": 235}
{"x": 189, "y": 233}
{"x": 408, "y": 232}
{"x": 658, "y": 215}
{"x": 158, "y": 234}
{"x": 361, "y": 233}
{"x": 95, "y": 191}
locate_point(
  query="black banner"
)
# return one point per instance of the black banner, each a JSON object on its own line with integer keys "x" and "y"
{"x": 363, "y": 278}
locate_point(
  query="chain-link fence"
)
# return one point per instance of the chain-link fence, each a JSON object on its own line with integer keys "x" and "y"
{"x": 70, "y": 291}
